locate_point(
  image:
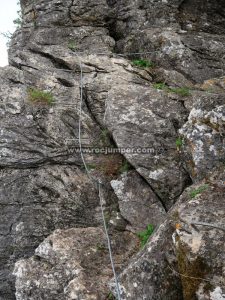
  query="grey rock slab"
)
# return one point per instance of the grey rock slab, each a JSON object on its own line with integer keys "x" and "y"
{"x": 137, "y": 202}
{"x": 142, "y": 117}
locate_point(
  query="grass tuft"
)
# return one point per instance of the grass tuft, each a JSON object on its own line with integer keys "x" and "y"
{"x": 160, "y": 86}
{"x": 198, "y": 191}
{"x": 142, "y": 63}
{"x": 39, "y": 96}
{"x": 125, "y": 167}
{"x": 183, "y": 92}
{"x": 145, "y": 234}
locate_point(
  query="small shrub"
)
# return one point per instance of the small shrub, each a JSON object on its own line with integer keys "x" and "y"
{"x": 144, "y": 235}
{"x": 160, "y": 86}
{"x": 184, "y": 92}
{"x": 142, "y": 63}
{"x": 39, "y": 96}
{"x": 199, "y": 190}
{"x": 72, "y": 45}
{"x": 110, "y": 164}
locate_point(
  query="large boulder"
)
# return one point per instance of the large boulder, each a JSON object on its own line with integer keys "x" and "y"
{"x": 72, "y": 264}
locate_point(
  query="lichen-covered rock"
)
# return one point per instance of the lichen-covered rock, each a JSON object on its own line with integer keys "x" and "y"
{"x": 199, "y": 240}
{"x": 72, "y": 264}
{"x": 187, "y": 249}
{"x": 204, "y": 135}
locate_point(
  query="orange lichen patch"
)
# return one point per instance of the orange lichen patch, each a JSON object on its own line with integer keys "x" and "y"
{"x": 213, "y": 85}
{"x": 208, "y": 84}
{"x": 178, "y": 226}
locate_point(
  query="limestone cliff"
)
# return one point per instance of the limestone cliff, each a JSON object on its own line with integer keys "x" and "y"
{"x": 153, "y": 82}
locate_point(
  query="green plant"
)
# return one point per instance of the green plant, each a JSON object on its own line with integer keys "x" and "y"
{"x": 39, "y": 96}
{"x": 72, "y": 45}
{"x": 91, "y": 166}
{"x": 179, "y": 142}
{"x": 110, "y": 296}
{"x": 199, "y": 190}
{"x": 184, "y": 92}
{"x": 160, "y": 86}
{"x": 105, "y": 137}
{"x": 100, "y": 247}
{"x": 125, "y": 167}
{"x": 142, "y": 63}
{"x": 145, "y": 234}
{"x": 18, "y": 21}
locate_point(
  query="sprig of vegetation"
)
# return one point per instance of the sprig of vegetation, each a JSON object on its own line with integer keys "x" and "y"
{"x": 160, "y": 86}
{"x": 91, "y": 166}
{"x": 142, "y": 63}
{"x": 179, "y": 142}
{"x": 145, "y": 234}
{"x": 125, "y": 167}
{"x": 18, "y": 21}
{"x": 182, "y": 91}
{"x": 39, "y": 96}
{"x": 199, "y": 190}
{"x": 72, "y": 45}
{"x": 110, "y": 296}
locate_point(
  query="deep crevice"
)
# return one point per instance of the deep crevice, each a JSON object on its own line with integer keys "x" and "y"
{"x": 57, "y": 62}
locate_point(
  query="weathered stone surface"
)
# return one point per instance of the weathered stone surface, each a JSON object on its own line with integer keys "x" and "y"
{"x": 72, "y": 264}
{"x": 34, "y": 202}
{"x": 199, "y": 250}
{"x": 137, "y": 202}
{"x": 149, "y": 121}
{"x": 204, "y": 135}
{"x": 181, "y": 35}
{"x": 186, "y": 41}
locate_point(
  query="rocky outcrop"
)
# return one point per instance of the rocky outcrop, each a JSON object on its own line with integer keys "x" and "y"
{"x": 72, "y": 264}
{"x": 164, "y": 114}
{"x": 187, "y": 248}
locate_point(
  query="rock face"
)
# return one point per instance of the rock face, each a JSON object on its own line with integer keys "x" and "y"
{"x": 183, "y": 250}
{"x": 153, "y": 92}
{"x": 71, "y": 264}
